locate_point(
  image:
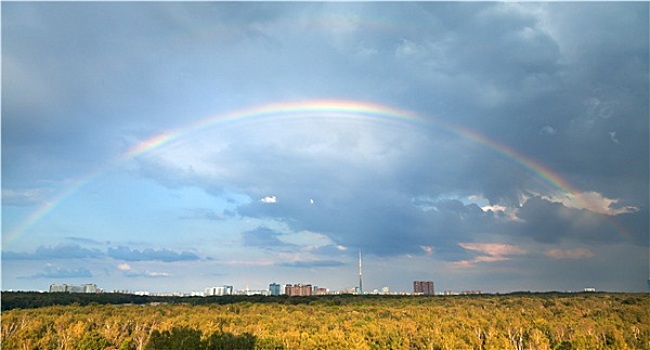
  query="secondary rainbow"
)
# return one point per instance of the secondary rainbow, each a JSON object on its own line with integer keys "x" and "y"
{"x": 318, "y": 109}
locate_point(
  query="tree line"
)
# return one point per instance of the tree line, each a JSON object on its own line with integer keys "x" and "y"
{"x": 525, "y": 321}
{"x": 31, "y": 300}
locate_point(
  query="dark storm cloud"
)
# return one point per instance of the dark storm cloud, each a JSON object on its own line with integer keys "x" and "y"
{"x": 390, "y": 224}
{"x": 263, "y": 237}
{"x": 633, "y": 227}
{"x": 509, "y": 40}
{"x": 74, "y": 91}
{"x": 499, "y": 70}
{"x": 164, "y": 255}
{"x": 504, "y": 71}
{"x": 551, "y": 222}
{"x": 530, "y": 76}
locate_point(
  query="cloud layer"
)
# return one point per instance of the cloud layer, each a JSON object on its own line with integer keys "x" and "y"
{"x": 529, "y": 151}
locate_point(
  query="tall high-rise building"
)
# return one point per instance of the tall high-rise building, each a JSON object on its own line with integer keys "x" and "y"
{"x": 299, "y": 290}
{"x": 423, "y": 287}
{"x": 275, "y": 289}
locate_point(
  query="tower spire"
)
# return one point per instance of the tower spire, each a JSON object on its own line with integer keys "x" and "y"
{"x": 360, "y": 275}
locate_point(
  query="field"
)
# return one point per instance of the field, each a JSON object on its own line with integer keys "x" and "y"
{"x": 523, "y": 321}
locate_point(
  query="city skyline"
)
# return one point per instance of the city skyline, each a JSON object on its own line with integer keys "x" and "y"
{"x": 492, "y": 146}
{"x": 296, "y": 289}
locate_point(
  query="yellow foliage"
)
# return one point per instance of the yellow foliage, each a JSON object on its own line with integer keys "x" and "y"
{"x": 534, "y": 322}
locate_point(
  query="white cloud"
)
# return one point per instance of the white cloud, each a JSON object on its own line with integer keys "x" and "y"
{"x": 308, "y": 239}
{"x": 24, "y": 197}
{"x": 124, "y": 267}
{"x": 548, "y": 130}
{"x": 269, "y": 200}
{"x": 493, "y": 249}
{"x": 574, "y": 254}
{"x": 406, "y": 48}
{"x": 492, "y": 252}
{"x": 157, "y": 274}
{"x": 592, "y": 201}
{"x": 509, "y": 212}
{"x": 494, "y": 207}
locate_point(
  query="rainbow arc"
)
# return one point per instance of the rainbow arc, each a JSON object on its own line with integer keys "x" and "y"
{"x": 314, "y": 109}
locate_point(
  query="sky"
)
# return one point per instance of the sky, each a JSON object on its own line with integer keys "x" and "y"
{"x": 177, "y": 146}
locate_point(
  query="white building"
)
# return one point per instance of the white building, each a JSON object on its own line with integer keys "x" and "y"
{"x": 82, "y": 288}
{"x": 249, "y": 292}
{"x": 218, "y": 291}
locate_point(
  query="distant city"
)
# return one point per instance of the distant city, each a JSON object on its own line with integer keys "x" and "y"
{"x": 274, "y": 289}
{"x": 420, "y": 287}
{"x": 298, "y": 289}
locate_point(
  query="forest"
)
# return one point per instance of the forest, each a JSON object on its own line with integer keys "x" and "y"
{"x": 522, "y": 321}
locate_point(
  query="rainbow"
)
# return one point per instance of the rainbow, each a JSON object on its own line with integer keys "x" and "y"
{"x": 324, "y": 109}
{"x": 342, "y": 109}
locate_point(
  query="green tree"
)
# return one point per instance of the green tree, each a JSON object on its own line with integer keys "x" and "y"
{"x": 92, "y": 341}
{"x": 177, "y": 338}
{"x": 229, "y": 341}
{"x": 268, "y": 344}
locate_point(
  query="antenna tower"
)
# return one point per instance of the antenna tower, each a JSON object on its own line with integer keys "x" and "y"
{"x": 360, "y": 275}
